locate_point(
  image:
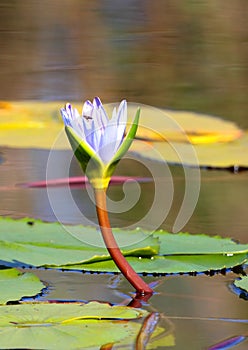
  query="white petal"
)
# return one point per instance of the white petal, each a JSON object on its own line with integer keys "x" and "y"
{"x": 104, "y": 116}
{"x": 66, "y": 118}
{"x": 122, "y": 122}
{"x": 69, "y": 114}
{"x": 104, "y": 136}
{"x": 88, "y": 130}
{"x": 108, "y": 142}
{"x": 99, "y": 125}
{"x": 87, "y": 109}
{"x": 106, "y": 153}
{"x": 69, "y": 110}
{"x": 114, "y": 132}
{"x": 114, "y": 114}
{"x": 122, "y": 112}
{"x": 97, "y": 128}
{"x": 97, "y": 102}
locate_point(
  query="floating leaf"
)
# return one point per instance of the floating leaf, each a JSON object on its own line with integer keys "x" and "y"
{"x": 185, "y": 243}
{"x": 215, "y": 155}
{"x": 15, "y": 285}
{"x": 31, "y": 124}
{"x": 36, "y": 243}
{"x": 169, "y": 264}
{"x": 32, "y": 242}
{"x": 24, "y": 124}
{"x": 180, "y": 126}
{"x": 68, "y": 326}
{"x": 39, "y": 125}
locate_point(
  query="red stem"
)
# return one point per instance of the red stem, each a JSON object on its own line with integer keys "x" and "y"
{"x": 136, "y": 281}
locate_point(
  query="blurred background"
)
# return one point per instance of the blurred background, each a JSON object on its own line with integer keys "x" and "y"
{"x": 168, "y": 53}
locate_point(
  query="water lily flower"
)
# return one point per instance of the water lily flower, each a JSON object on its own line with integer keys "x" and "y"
{"x": 98, "y": 141}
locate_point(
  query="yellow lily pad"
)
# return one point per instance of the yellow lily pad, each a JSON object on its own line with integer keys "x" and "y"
{"x": 33, "y": 124}
{"x": 174, "y": 136}
{"x": 27, "y": 124}
{"x": 215, "y": 155}
{"x": 180, "y": 126}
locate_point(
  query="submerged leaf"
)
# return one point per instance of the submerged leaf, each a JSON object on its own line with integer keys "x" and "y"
{"x": 81, "y": 181}
{"x": 32, "y": 242}
{"x": 15, "y": 285}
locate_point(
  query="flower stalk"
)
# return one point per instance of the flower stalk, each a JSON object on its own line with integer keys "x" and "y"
{"x": 136, "y": 281}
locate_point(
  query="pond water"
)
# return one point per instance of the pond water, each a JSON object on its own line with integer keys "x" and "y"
{"x": 182, "y": 55}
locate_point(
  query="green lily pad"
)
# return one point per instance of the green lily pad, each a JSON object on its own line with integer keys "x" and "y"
{"x": 15, "y": 285}
{"x": 32, "y": 242}
{"x": 68, "y": 326}
{"x": 185, "y": 243}
{"x": 173, "y": 264}
{"x": 242, "y": 283}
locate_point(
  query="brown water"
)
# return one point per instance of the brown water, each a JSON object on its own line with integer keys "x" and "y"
{"x": 190, "y": 55}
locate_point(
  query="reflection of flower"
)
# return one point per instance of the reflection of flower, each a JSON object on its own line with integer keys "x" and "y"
{"x": 98, "y": 142}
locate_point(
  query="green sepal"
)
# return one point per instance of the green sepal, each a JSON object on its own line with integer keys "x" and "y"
{"x": 98, "y": 173}
{"x": 89, "y": 160}
{"x": 124, "y": 146}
